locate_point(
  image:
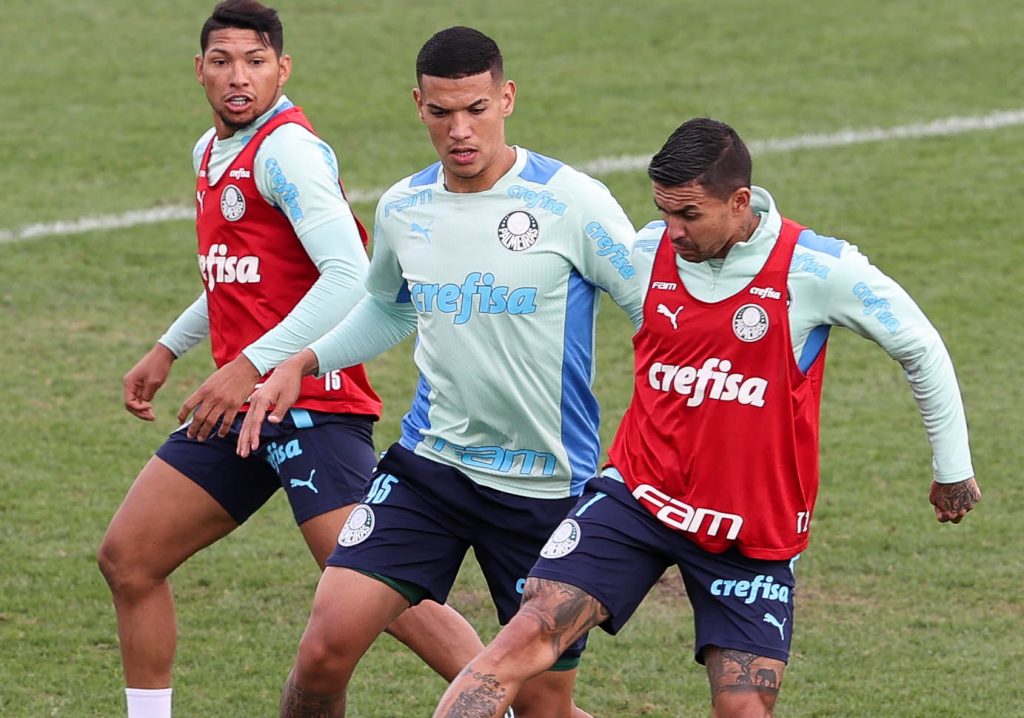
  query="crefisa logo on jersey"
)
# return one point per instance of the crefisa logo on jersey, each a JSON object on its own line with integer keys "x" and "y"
{"x": 232, "y": 203}
{"x": 750, "y": 323}
{"x": 358, "y": 526}
{"x": 562, "y": 542}
{"x": 518, "y": 231}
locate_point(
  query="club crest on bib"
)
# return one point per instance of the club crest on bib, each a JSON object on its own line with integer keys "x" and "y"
{"x": 562, "y": 542}
{"x": 232, "y": 203}
{"x": 750, "y": 323}
{"x": 518, "y": 231}
{"x": 358, "y": 526}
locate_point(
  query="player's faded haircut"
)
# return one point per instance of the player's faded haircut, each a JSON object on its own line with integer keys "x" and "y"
{"x": 458, "y": 52}
{"x": 706, "y": 152}
{"x": 246, "y": 15}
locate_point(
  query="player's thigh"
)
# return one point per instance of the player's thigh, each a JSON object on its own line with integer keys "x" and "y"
{"x": 164, "y": 518}
{"x": 321, "y": 532}
{"x": 350, "y": 609}
{"x": 742, "y": 684}
{"x": 411, "y": 528}
{"x": 323, "y": 467}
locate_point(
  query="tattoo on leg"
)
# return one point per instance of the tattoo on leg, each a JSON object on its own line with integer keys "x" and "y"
{"x": 561, "y": 609}
{"x": 297, "y": 703}
{"x": 481, "y": 699}
{"x": 731, "y": 671}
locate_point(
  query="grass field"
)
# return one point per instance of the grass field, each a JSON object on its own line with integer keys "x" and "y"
{"x": 897, "y": 616}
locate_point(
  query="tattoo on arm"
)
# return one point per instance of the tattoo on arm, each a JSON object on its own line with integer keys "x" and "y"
{"x": 297, "y": 703}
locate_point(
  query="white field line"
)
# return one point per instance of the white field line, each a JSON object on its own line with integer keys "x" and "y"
{"x": 601, "y": 166}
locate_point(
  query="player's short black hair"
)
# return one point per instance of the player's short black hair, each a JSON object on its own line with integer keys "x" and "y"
{"x": 458, "y": 52}
{"x": 247, "y": 15}
{"x": 706, "y": 152}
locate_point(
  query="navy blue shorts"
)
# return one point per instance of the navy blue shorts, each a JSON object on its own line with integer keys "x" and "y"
{"x": 420, "y": 517}
{"x": 323, "y": 461}
{"x": 612, "y": 548}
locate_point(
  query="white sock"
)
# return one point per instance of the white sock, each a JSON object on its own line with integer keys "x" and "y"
{"x": 148, "y": 703}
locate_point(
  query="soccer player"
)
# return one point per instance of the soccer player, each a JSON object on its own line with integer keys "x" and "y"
{"x": 282, "y": 259}
{"x": 494, "y": 255}
{"x": 715, "y": 465}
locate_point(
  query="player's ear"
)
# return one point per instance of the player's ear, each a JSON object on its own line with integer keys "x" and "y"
{"x": 740, "y": 200}
{"x": 508, "y": 98}
{"x": 417, "y": 97}
{"x": 284, "y": 70}
{"x": 199, "y": 69}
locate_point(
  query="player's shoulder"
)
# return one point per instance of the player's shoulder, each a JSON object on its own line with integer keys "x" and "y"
{"x": 648, "y": 237}
{"x": 415, "y": 189}
{"x": 199, "y": 148}
{"x": 821, "y": 255}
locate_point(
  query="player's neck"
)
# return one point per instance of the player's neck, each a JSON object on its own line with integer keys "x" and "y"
{"x": 485, "y": 180}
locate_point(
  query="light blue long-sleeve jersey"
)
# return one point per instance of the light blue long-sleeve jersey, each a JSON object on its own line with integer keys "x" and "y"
{"x": 502, "y": 286}
{"x": 832, "y": 284}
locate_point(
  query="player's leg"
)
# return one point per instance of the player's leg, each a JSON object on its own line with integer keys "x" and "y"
{"x": 350, "y": 610}
{"x": 164, "y": 519}
{"x": 743, "y": 618}
{"x": 743, "y": 685}
{"x": 338, "y": 458}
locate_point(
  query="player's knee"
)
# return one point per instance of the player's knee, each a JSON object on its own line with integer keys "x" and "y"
{"x": 125, "y": 575}
{"x": 324, "y": 663}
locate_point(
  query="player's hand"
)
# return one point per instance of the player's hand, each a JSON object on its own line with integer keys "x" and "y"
{"x": 953, "y": 501}
{"x": 219, "y": 398}
{"x": 280, "y": 391}
{"x": 144, "y": 379}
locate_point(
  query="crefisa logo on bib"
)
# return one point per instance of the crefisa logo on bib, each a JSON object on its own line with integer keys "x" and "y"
{"x": 358, "y": 526}
{"x": 565, "y": 538}
{"x": 518, "y": 231}
{"x": 750, "y": 323}
{"x": 232, "y": 203}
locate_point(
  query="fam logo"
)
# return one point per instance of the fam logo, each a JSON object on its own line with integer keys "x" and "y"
{"x": 518, "y": 231}
{"x": 232, "y": 203}
{"x": 415, "y": 200}
{"x": 358, "y": 526}
{"x": 750, "y": 322}
{"x": 562, "y": 542}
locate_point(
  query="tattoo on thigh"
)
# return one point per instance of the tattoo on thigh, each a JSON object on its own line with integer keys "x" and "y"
{"x": 562, "y": 609}
{"x": 737, "y": 671}
{"x": 481, "y": 699}
{"x": 297, "y": 703}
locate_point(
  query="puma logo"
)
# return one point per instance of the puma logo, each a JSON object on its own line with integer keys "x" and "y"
{"x": 308, "y": 483}
{"x": 425, "y": 231}
{"x": 769, "y": 618}
{"x": 672, "y": 316}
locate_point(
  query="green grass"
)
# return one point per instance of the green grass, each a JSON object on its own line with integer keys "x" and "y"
{"x": 897, "y": 616}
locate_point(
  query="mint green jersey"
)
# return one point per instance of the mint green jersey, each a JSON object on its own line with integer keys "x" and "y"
{"x": 504, "y": 284}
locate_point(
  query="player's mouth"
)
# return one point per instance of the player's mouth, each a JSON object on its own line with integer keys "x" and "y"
{"x": 238, "y": 103}
{"x": 463, "y": 155}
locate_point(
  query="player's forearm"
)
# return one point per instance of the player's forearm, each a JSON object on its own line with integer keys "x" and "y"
{"x": 190, "y": 328}
{"x": 370, "y": 329}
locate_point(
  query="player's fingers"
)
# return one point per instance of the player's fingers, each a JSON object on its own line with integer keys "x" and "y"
{"x": 226, "y": 422}
{"x": 188, "y": 406}
{"x": 249, "y": 436}
{"x": 203, "y": 421}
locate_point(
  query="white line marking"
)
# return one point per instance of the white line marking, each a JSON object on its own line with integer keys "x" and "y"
{"x": 602, "y": 166}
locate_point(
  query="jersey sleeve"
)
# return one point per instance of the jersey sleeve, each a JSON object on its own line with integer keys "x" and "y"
{"x": 297, "y": 172}
{"x": 603, "y": 255}
{"x": 190, "y": 328}
{"x": 865, "y": 300}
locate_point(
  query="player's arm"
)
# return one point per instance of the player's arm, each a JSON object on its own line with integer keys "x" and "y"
{"x": 604, "y": 254}
{"x": 151, "y": 371}
{"x": 296, "y": 172}
{"x": 382, "y": 318}
{"x": 865, "y": 300}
